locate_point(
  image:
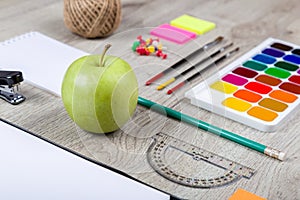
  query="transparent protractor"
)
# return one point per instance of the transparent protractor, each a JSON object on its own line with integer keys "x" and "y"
{"x": 156, "y": 155}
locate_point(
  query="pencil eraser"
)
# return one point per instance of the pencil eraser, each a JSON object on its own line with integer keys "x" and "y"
{"x": 281, "y": 156}
{"x": 193, "y": 24}
{"x": 241, "y": 194}
{"x": 174, "y": 34}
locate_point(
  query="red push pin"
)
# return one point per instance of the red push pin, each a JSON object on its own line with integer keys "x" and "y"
{"x": 159, "y": 53}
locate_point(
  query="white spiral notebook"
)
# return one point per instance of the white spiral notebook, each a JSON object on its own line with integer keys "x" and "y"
{"x": 42, "y": 60}
{"x": 34, "y": 169}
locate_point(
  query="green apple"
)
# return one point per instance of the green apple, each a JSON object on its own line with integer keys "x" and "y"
{"x": 100, "y": 92}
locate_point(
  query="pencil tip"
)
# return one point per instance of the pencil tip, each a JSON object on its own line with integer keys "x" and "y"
{"x": 170, "y": 92}
{"x": 148, "y": 83}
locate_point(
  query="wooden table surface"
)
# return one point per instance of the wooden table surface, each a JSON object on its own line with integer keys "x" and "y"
{"x": 246, "y": 23}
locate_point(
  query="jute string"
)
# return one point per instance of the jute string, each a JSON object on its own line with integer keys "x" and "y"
{"x": 92, "y": 18}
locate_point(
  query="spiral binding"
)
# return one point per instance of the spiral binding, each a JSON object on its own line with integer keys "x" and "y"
{"x": 18, "y": 38}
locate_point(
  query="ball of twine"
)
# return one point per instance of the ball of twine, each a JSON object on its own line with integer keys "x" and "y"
{"x": 92, "y": 18}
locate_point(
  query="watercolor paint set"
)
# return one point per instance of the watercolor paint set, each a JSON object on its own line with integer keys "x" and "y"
{"x": 260, "y": 89}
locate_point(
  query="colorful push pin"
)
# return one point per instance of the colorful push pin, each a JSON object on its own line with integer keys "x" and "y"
{"x": 140, "y": 39}
{"x": 135, "y": 45}
{"x": 148, "y": 46}
{"x": 160, "y": 54}
{"x": 151, "y": 49}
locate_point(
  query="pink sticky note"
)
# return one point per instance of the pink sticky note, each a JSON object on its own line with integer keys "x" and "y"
{"x": 171, "y": 33}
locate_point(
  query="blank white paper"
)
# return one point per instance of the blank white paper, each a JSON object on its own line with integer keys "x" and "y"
{"x": 31, "y": 168}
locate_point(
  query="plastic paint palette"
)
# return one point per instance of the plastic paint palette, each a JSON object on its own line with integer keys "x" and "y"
{"x": 260, "y": 89}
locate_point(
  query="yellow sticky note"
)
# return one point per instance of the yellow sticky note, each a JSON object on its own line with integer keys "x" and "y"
{"x": 193, "y": 24}
{"x": 241, "y": 194}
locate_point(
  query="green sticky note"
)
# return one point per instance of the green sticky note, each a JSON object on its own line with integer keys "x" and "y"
{"x": 193, "y": 24}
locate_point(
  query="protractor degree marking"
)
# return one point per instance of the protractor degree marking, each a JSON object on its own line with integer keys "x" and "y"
{"x": 156, "y": 157}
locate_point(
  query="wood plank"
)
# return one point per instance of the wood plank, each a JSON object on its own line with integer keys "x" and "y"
{"x": 246, "y": 23}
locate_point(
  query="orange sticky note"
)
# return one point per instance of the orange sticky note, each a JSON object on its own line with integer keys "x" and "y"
{"x": 241, "y": 194}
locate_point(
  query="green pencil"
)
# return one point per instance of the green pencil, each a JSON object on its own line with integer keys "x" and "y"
{"x": 212, "y": 129}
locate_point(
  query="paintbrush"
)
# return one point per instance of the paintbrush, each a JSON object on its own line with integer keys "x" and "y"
{"x": 181, "y": 84}
{"x": 183, "y": 60}
{"x": 171, "y": 80}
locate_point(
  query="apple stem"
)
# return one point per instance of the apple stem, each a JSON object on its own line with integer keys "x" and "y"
{"x": 103, "y": 54}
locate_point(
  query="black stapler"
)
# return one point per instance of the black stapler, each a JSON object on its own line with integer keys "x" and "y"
{"x": 9, "y": 84}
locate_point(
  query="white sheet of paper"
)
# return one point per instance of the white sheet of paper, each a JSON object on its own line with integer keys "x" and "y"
{"x": 35, "y": 169}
